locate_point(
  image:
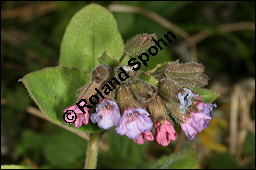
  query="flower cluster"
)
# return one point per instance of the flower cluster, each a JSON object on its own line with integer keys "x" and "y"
{"x": 146, "y": 105}
{"x": 130, "y": 111}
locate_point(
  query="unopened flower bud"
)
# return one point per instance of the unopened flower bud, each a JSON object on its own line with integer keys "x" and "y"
{"x": 143, "y": 91}
{"x": 187, "y": 74}
{"x": 81, "y": 91}
{"x": 128, "y": 73}
{"x": 125, "y": 98}
{"x": 157, "y": 109}
{"x": 87, "y": 91}
{"x": 139, "y": 44}
{"x": 174, "y": 109}
{"x": 184, "y": 68}
{"x": 168, "y": 89}
{"x": 101, "y": 73}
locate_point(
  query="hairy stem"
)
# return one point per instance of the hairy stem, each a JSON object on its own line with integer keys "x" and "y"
{"x": 122, "y": 57}
{"x": 92, "y": 151}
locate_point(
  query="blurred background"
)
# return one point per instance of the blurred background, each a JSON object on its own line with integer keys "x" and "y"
{"x": 220, "y": 35}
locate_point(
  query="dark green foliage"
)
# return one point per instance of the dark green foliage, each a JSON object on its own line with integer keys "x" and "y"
{"x": 31, "y": 41}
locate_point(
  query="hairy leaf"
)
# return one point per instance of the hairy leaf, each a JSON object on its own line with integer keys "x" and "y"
{"x": 106, "y": 59}
{"x": 197, "y": 80}
{"x": 147, "y": 77}
{"x": 90, "y": 32}
{"x": 207, "y": 96}
{"x": 185, "y": 74}
{"x": 54, "y": 89}
{"x": 186, "y": 159}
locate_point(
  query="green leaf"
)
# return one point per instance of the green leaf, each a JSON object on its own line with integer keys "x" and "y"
{"x": 249, "y": 144}
{"x": 159, "y": 67}
{"x": 148, "y": 78}
{"x": 106, "y": 59}
{"x": 35, "y": 144}
{"x": 15, "y": 167}
{"x": 90, "y": 32}
{"x": 15, "y": 95}
{"x": 64, "y": 150}
{"x": 186, "y": 159}
{"x": 31, "y": 144}
{"x": 207, "y": 96}
{"x": 223, "y": 161}
{"x": 54, "y": 89}
{"x": 123, "y": 151}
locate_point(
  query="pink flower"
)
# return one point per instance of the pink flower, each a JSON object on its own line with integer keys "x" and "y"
{"x": 199, "y": 120}
{"x": 69, "y": 116}
{"x": 165, "y": 133}
{"x": 77, "y": 115}
{"x": 134, "y": 122}
{"x": 143, "y": 137}
{"x": 107, "y": 114}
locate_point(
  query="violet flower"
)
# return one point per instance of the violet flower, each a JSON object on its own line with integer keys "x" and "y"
{"x": 78, "y": 116}
{"x": 107, "y": 114}
{"x": 165, "y": 133}
{"x": 199, "y": 120}
{"x": 134, "y": 122}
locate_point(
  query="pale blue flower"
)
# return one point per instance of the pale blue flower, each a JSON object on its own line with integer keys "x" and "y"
{"x": 185, "y": 99}
{"x": 134, "y": 122}
{"x": 107, "y": 114}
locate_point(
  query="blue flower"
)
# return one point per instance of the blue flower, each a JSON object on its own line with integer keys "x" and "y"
{"x": 185, "y": 99}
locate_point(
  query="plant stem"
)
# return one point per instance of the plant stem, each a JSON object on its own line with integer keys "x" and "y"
{"x": 92, "y": 151}
{"x": 122, "y": 57}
